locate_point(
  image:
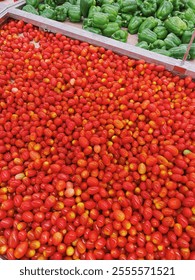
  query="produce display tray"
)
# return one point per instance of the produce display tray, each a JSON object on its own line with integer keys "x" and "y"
{"x": 13, "y": 10}
{"x": 175, "y": 66}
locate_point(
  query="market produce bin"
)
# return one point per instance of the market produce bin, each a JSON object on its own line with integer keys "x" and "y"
{"x": 184, "y": 70}
{"x": 74, "y": 30}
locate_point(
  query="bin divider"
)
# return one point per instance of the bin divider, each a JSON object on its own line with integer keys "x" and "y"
{"x": 188, "y": 48}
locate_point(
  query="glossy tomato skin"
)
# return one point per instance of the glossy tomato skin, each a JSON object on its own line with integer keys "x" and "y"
{"x": 21, "y": 250}
{"x": 13, "y": 240}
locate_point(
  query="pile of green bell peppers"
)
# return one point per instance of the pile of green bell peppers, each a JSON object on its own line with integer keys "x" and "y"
{"x": 160, "y": 24}
{"x": 58, "y": 10}
{"x": 105, "y": 19}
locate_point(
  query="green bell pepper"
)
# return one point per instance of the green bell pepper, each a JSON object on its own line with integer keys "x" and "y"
{"x": 158, "y": 44}
{"x": 192, "y": 51}
{"x": 100, "y": 20}
{"x": 162, "y": 52}
{"x": 34, "y": 3}
{"x": 93, "y": 10}
{"x": 120, "y": 35}
{"x": 119, "y": 20}
{"x": 160, "y": 31}
{"x": 42, "y": 7}
{"x": 191, "y": 4}
{"x": 125, "y": 19}
{"x": 61, "y": 13}
{"x": 74, "y": 13}
{"x": 107, "y": 8}
{"x": 190, "y": 25}
{"x": 87, "y": 22}
{"x": 175, "y": 25}
{"x": 159, "y": 21}
{"x": 85, "y": 6}
{"x": 143, "y": 45}
{"x": 30, "y": 9}
{"x": 93, "y": 29}
{"x": 178, "y": 14}
{"x": 189, "y": 15}
{"x": 158, "y": 2}
{"x": 147, "y": 35}
{"x": 116, "y": 4}
{"x": 164, "y": 10}
{"x": 67, "y": 5}
{"x": 138, "y": 13}
{"x": 48, "y": 13}
{"x": 102, "y": 2}
{"x": 51, "y": 3}
{"x": 149, "y": 23}
{"x": 110, "y": 29}
{"x": 59, "y": 2}
{"x": 72, "y": 2}
{"x": 179, "y": 51}
{"x": 178, "y": 5}
{"x": 172, "y": 41}
{"x": 139, "y": 3}
{"x": 148, "y": 7}
{"x": 127, "y": 6}
{"x": 112, "y": 11}
{"x": 134, "y": 24}
{"x": 186, "y": 37}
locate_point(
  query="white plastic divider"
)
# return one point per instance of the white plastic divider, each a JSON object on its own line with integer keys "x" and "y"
{"x": 177, "y": 66}
{"x": 3, "y": 8}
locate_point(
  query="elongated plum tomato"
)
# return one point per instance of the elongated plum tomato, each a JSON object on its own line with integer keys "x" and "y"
{"x": 21, "y": 250}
